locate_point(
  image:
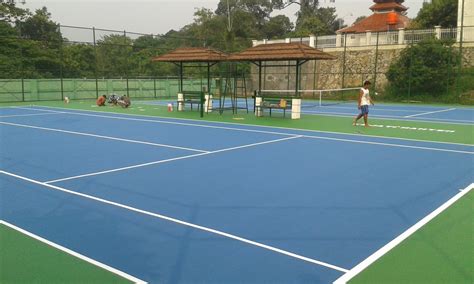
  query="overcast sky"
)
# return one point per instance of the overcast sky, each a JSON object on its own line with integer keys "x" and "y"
{"x": 159, "y": 16}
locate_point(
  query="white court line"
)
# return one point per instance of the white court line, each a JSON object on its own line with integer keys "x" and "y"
{"x": 425, "y": 113}
{"x": 390, "y": 145}
{"x": 385, "y": 249}
{"x": 240, "y": 124}
{"x": 35, "y": 114}
{"x": 163, "y": 122}
{"x": 73, "y": 253}
{"x": 102, "y": 137}
{"x": 177, "y": 221}
{"x": 169, "y": 160}
{"x": 393, "y": 117}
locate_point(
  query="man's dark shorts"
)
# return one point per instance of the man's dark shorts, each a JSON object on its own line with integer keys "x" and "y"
{"x": 364, "y": 110}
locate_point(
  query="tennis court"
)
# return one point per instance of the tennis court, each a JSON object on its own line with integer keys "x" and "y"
{"x": 172, "y": 200}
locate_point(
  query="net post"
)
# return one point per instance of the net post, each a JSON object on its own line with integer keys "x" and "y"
{"x": 320, "y": 98}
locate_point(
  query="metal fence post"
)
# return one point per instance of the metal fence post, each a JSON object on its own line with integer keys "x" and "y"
{"x": 344, "y": 61}
{"x": 61, "y": 59}
{"x": 126, "y": 69}
{"x": 376, "y": 61}
{"x": 461, "y": 39}
{"x": 96, "y": 67}
{"x": 411, "y": 65}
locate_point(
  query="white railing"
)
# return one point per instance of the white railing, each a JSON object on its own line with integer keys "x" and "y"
{"x": 400, "y": 37}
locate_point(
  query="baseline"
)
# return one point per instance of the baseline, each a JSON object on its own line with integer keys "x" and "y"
{"x": 73, "y": 253}
{"x": 35, "y": 114}
{"x": 102, "y": 137}
{"x": 177, "y": 221}
{"x": 385, "y": 249}
{"x": 430, "y": 112}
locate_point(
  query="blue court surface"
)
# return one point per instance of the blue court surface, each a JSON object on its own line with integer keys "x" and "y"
{"x": 183, "y": 201}
{"x": 444, "y": 114}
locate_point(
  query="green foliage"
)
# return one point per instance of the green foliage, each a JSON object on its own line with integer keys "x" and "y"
{"x": 437, "y": 13}
{"x": 9, "y": 13}
{"x": 316, "y": 20}
{"x": 425, "y": 68}
{"x": 32, "y": 46}
{"x": 278, "y": 27}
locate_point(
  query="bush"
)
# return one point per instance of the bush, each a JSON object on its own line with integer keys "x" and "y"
{"x": 427, "y": 68}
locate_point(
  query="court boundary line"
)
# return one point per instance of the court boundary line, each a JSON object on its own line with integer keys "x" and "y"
{"x": 171, "y": 160}
{"x": 390, "y": 145}
{"x": 430, "y": 112}
{"x": 392, "y": 117}
{"x": 73, "y": 253}
{"x": 101, "y": 136}
{"x": 399, "y": 239}
{"x": 233, "y": 124}
{"x": 181, "y": 222}
{"x": 34, "y": 114}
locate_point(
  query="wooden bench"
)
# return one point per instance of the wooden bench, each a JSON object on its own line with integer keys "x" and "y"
{"x": 276, "y": 102}
{"x": 192, "y": 98}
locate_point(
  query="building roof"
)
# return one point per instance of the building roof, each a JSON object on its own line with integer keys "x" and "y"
{"x": 192, "y": 54}
{"x": 280, "y": 52}
{"x": 389, "y": 6}
{"x": 376, "y": 23}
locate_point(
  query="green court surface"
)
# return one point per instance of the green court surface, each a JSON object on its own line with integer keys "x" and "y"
{"x": 26, "y": 260}
{"x": 440, "y": 252}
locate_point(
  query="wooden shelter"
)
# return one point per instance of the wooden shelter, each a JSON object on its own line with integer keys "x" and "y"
{"x": 280, "y": 52}
{"x": 182, "y": 57}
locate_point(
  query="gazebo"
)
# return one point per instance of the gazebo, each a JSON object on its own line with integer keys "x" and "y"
{"x": 281, "y": 55}
{"x": 184, "y": 58}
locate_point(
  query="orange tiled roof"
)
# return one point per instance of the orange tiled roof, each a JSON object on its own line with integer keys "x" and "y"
{"x": 388, "y": 6}
{"x": 376, "y": 23}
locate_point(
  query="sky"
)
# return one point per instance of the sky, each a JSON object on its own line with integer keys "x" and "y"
{"x": 160, "y": 16}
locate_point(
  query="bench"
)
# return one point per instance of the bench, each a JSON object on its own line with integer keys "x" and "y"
{"x": 276, "y": 102}
{"x": 192, "y": 98}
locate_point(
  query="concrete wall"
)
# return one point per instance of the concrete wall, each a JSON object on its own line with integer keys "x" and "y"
{"x": 333, "y": 74}
{"x": 468, "y": 26}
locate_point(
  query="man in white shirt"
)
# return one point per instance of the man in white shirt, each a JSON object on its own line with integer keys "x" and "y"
{"x": 363, "y": 104}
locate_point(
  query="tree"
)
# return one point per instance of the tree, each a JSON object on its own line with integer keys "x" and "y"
{"x": 277, "y": 27}
{"x": 425, "y": 68}
{"x": 260, "y": 9}
{"x": 319, "y": 21}
{"x": 40, "y": 27}
{"x": 114, "y": 52}
{"x": 437, "y": 13}
{"x": 11, "y": 14}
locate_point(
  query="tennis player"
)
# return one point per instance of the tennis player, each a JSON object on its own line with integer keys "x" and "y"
{"x": 363, "y": 104}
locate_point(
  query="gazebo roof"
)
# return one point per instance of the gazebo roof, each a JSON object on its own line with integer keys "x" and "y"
{"x": 192, "y": 54}
{"x": 280, "y": 52}
{"x": 388, "y": 6}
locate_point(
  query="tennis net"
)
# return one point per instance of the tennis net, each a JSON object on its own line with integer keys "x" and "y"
{"x": 314, "y": 98}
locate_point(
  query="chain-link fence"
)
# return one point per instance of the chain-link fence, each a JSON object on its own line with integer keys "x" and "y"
{"x": 84, "y": 63}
